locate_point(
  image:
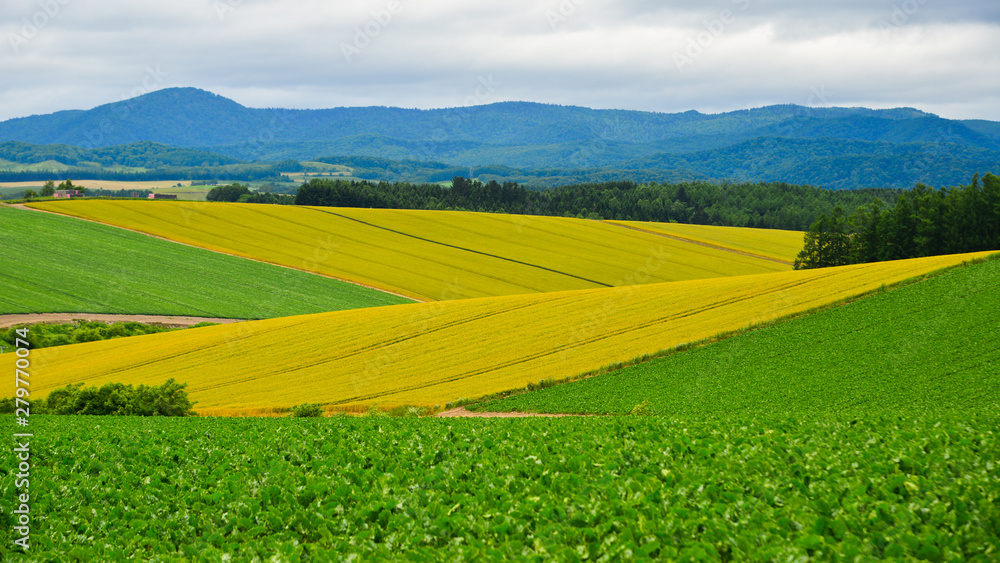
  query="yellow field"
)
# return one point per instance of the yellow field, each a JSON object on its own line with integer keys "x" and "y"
{"x": 433, "y": 353}
{"x": 429, "y": 255}
{"x": 772, "y": 243}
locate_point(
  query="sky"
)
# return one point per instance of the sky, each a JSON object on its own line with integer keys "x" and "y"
{"x": 665, "y": 56}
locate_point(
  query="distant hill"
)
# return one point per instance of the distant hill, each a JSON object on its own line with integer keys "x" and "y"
{"x": 136, "y": 155}
{"x": 833, "y": 147}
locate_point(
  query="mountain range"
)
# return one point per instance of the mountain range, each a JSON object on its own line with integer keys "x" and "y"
{"x": 830, "y": 147}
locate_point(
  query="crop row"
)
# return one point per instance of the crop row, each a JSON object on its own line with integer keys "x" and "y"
{"x": 430, "y": 255}
{"x": 435, "y": 353}
{"x": 773, "y": 243}
{"x": 928, "y": 345}
{"x": 746, "y": 489}
{"x": 53, "y": 264}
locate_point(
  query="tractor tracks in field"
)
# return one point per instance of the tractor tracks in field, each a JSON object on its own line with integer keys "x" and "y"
{"x": 464, "y": 249}
{"x": 352, "y": 282}
{"x": 700, "y": 243}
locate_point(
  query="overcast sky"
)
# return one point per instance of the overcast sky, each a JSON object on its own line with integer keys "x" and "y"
{"x": 936, "y": 55}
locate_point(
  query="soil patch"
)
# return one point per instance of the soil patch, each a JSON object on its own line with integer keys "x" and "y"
{"x": 7, "y": 321}
{"x": 462, "y": 412}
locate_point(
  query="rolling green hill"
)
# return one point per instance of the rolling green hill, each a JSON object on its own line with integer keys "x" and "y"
{"x": 554, "y": 144}
{"x": 929, "y": 346}
{"x": 136, "y": 155}
{"x": 54, "y": 264}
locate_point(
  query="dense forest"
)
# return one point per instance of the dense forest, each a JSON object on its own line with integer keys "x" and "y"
{"x": 540, "y": 144}
{"x": 922, "y": 222}
{"x": 134, "y": 155}
{"x": 241, "y": 193}
{"x": 773, "y": 206}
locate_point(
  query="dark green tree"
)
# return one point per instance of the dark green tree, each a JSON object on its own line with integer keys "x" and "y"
{"x": 230, "y": 192}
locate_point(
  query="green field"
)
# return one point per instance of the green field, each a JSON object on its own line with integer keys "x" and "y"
{"x": 8, "y": 192}
{"x": 928, "y": 345}
{"x": 822, "y": 488}
{"x": 54, "y": 264}
{"x": 46, "y": 166}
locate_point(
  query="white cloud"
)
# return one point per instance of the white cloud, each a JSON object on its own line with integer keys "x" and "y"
{"x": 928, "y": 54}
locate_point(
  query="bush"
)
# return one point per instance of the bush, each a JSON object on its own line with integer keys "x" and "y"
{"x": 228, "y": 193}
{"x": 642, "y": 409}
{"x": 409, "y": 411}
{"x": 307, "y": 410}
{"x": 169, "y": 399}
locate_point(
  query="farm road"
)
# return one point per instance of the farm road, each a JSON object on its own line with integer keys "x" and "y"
{"x": 7, "y": 321}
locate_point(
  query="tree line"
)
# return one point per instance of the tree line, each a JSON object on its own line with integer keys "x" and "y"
{"x": 241, "y": 193}
{"x": 922, "y": 222}
{"x": 775, "y": 205}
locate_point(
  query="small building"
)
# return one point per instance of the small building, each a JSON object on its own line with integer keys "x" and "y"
{"x": 67, "y": 193}
{"x": 162, "y": 196}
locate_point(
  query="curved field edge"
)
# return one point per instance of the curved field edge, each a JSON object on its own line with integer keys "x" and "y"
{"x": 430, "y": 255}
{"x": 924, "y": 346}
{"x": 767, "y": 243}
{"x": 431, "y": 354}
{"x": 51, "y": 263}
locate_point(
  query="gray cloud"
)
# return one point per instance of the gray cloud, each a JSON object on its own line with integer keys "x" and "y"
{"x": 639, "y": 54}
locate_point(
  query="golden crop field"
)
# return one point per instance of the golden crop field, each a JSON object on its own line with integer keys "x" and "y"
{"x": 429, "y": 255}
{"x": 772, "y": 243}
{"x": 434, "y": 353}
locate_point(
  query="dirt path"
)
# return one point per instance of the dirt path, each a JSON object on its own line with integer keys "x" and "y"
{"x": 700, "y": 243}
{"x": 462, "y": 412}
{"x": 22, "y": 206}
{"x": 7, "y": 321}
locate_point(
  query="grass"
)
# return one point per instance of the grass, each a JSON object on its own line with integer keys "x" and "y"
{"x": 46, "y": 166}
{"x": 53, "y": 264}
{"x": 7, "y": 192}
{"x": 429, "y": 255}
{"x": 313, "y": 166}
{"x": 928, "y": 345}
{"x": 435, "y": 353}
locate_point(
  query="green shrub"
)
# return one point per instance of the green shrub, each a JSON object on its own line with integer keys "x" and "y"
{"x": 169, "y": 399}
{"x": 307, "y": 410}
{"x": 642, "y": 409}
{"x": 409, "y": 411}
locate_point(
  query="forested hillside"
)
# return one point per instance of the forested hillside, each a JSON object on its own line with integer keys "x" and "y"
{"x": 546, "y": 144}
